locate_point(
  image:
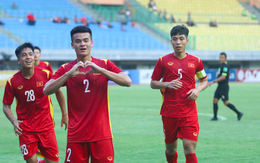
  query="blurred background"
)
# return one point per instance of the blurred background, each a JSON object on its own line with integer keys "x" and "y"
{"x": 135, "y": 33}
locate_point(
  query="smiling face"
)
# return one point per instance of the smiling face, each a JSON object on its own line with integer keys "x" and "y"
{"x": 179, "y": 43}
{"x": 26, "y": 58}
{"x": 82, "y": 44}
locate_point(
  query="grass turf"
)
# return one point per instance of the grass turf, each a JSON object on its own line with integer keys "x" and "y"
{"x": 138, "y": 133}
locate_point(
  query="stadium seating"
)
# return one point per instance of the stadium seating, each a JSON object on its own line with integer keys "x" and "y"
{"x": 48, "y": 35}
{"x": 224, "y": 37}
{"x": 7, "y": 42}
{"x": 42, "y": 9}
{"x": 203, "y": 11}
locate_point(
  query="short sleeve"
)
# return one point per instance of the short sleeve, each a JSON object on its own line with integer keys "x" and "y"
{"x": 200, "y": 72}
{"x": 9, "y": 93}
{"x": 158, "y": 71}
{"x": 112, "y": 67}
{"x": 59, "y": 72}
{"x": 224, "y": 70}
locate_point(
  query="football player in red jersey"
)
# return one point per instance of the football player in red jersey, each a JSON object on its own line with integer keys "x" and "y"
{"x": 34, "y": 123}
{"x": 86, "y": 79}
{"x": 38, "y": 62}
{"x": 174, "y": 74}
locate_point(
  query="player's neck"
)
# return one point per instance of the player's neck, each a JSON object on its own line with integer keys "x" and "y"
{"x": 84, "y": 59}
{"x": 37, "y": 63}
{"x": 28, "y": 72}
{"x": 180, "y": 55}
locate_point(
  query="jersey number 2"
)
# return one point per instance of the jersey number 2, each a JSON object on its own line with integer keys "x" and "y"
{"x": 87, "y": 85}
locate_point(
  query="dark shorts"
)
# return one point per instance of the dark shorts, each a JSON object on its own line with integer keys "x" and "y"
{"x": 222, "y": 92}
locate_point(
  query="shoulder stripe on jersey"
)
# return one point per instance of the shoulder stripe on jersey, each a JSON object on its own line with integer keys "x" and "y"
{"x": 105, "y": 61}
{"x": 64, "y": 65}
{"x": 48, "y": 73}
{"x": 47, "y": 63}
{"x": 201, "y": 74}
{"x": 161, "y": 58}
{"x": 9, "y": 80}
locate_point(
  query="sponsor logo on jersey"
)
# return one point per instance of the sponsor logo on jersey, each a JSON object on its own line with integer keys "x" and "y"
{"x": 170, "y": 63}
{"x": 20, "y": 87}
{"x": 195, "y": 133}
{"x": 96, "y": 73}
{"x": 191, "y": 65}
{"x": 39, "y": 84}
{"x": 109, "y": 158}
{"x": 57, "y": 155}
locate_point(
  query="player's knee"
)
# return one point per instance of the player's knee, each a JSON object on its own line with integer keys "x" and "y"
{"x": 226, "y": 102}
{"x": 189, "y": 149}
{"x": 215, "y": 101}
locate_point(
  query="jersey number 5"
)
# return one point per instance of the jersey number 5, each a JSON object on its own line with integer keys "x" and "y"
{"x": 30, "y": 95}
{"x": 179, "y": 72}
{"x": 87, "y": 85}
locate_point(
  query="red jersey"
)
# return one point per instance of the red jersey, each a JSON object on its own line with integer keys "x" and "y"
{"x": 168, "y": 68}
{"x": 33, "y": 107}
{"x": 88, "y": 104}
{"x": 45, "y": 65}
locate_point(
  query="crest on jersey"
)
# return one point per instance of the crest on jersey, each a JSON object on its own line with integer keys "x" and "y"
{"x": 191, "y": 65}
{"x": 109, "y": 158}
{"x": 20, "y": 87}
{"x": 170, "y": 63}
{"x": 39, "y": 84}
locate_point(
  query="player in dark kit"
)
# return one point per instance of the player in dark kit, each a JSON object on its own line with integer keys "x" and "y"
{"x": 223, "y": 88}
{"x": 174, "y": 74}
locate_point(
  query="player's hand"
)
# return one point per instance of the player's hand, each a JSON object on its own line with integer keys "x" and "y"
{"x": 75, "y": 69}
{"x": 175, "y": 84}
{"x": 64, "y": 120}
{"x": 210, "y": 83}
{"x": 94, "y": 68}
{"x": 17, "y": 129}
{"x": 193, "y": 94}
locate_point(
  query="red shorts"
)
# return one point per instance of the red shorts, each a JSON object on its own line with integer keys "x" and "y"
{"x": 183, "y": 128}
{"x": 45, "y": 142}
{"x": 100, "y": 151}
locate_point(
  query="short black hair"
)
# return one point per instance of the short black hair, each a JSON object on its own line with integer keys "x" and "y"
{"x": 37, "y": 47}
{"x": 80, "y": 29}
{"x": 223, "y": 53}
{"x": 179, "y": 29}
{"x": 23, "y": 46}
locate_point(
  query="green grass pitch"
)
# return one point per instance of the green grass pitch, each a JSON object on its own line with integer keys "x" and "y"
{"x": 138, "y": 133}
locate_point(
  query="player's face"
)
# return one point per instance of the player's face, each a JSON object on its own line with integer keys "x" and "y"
{"x": 179, "y": 43}
{"x": 82, "y": 43}
{"x": 37, "y": 54}
{"x": 222, "y": 59}
{"x": 26, "y": 58}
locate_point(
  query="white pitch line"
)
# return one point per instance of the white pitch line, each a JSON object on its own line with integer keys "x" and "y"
{"x": 210, "y": 115}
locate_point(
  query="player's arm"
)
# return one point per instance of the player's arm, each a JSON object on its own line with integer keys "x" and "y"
{"x": 202, "y": 76}
{"x": 120, "y": 78}
{"x": 10, "y": 116}
{"x": 54, "y": 84}
{"x": 174, "y": 84}
{"x": 194, "y": 93}
{"x": 61, "y": 101}
{"x": 222, "y": 77}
